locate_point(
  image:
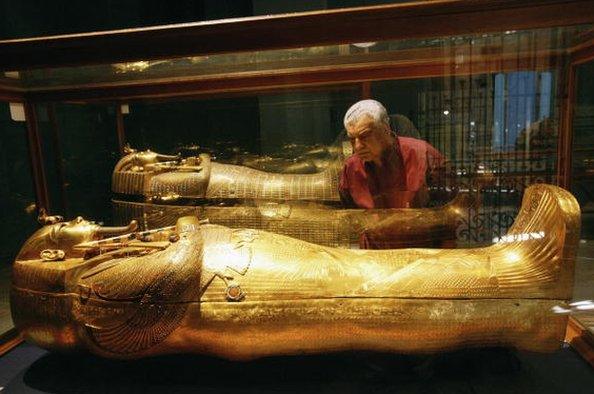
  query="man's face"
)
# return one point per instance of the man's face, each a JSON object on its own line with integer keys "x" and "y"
{"x": 368, "y": 139}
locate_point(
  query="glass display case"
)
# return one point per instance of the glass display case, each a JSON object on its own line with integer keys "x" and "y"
{"x": 244, "y": 126}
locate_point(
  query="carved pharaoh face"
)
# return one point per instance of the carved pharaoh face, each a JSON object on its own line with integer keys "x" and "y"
{"x": 75, "y": 231}
{"x": 65, "y": 235}
{"x": 62, "y": 235}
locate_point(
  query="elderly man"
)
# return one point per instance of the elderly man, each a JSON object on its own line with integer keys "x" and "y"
{"x": 385, "y": 171}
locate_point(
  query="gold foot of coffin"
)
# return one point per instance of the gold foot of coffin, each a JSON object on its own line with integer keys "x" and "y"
{"x": 242, "y": 294}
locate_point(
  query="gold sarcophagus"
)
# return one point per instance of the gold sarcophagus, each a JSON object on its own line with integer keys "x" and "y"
{"x": 302, "y": 206}
{"x": 162, "y": 178}
{"x": 244, "y": 293}
{"x": 316, "y": 223}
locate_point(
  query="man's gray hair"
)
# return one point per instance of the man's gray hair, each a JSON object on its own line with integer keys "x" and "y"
{"x": 371, "y": 108}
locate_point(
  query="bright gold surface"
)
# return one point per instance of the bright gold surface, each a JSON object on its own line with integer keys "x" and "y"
{"x": 65, "y": 235}
{"x": 393, "y": 228}
{"x": 242, "y": 293}
{"x": 161, "y": 177}
{"x": 295, "y": 205}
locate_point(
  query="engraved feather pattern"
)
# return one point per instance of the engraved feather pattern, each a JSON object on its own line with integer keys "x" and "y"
{"x": 534, "y": 261}
{"x": 231, "y": 181}
{"x": 278, "y": 295}
{"x": 153, "y": 294}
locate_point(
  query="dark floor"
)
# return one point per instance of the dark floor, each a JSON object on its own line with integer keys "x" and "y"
{"x": 28, "y": 369}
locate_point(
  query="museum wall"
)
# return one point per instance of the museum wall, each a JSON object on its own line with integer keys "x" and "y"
{"x": 16, "y": 186}
{"x": 80, "y": 149}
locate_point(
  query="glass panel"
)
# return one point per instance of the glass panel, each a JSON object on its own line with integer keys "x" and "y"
{"x": 18, "y": 200}
{"x": 515, "y": 46}
{"x": 80, "y": 149}
{"x": 487, "y": 109}
{"x": 497, "y": 130}
{"x": 469, "y": 123}
{"x": 582, "y": 187}
{"x": 233, "y": 130}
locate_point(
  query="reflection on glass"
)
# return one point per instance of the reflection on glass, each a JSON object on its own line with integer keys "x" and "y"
{"x": 582, "y": 186}
{"x": 80, "y": 148}
{"x": 575, "y": 308}
{"x": 513, "y": 45}
{"x": 519, "y": 237}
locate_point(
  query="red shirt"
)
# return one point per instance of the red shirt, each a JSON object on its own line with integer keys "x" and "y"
{"x": 398, "y": 183}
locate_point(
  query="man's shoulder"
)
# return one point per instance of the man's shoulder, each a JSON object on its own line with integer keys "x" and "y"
{"x": 352, "y": 161}
{"x": 352, "y": 168}
{"x": 414, "y": 150}
{"x": 351, "y": 172}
